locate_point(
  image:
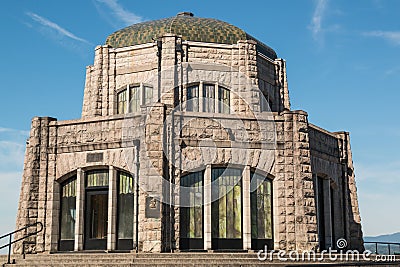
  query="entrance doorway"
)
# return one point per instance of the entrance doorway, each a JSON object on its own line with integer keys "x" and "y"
{"x": 96, "y": 213}
{"x": 96, "y": 218}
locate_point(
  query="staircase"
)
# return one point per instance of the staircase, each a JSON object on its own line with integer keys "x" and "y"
{"x": 163, "y": 259}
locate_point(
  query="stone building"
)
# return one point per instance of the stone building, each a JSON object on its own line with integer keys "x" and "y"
{"x": 187, "y": 142}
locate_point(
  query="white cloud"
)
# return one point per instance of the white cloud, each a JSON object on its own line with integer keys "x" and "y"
{"x": 57, "y": 28}
{"x": 317, "y": 18}
{"x": 21, "y": 132}
{"x": 120, "y": 13}
{"x": 391, "y": 36}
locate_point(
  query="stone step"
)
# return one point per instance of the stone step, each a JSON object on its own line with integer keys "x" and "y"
{"x": 158, "y": 259}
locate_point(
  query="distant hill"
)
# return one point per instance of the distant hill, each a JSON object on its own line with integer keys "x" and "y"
{"x": 393, "y": 238}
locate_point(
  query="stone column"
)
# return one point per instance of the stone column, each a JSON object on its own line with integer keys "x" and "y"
{"x": 207, "y": 208}
{"x": 80, "y": 200}
{"x": 112, "y": 210}
{"x": 246, "y": 209}
{"x": 135, "y": 174}
{"x": 168, "y": 74}
{"x": 53, "y": 195}
{"x": 281, "y": 80}
{"x": 53, "y": 206}
{"x": 304, "y": 218}
{"x": 151, "y": 173}
{"x": 43, "y": 188}
{"x": 353, "y": 217}
{"x": 112, "y": 105}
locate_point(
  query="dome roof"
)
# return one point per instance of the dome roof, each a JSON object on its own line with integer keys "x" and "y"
{"x": 189, "y": 27}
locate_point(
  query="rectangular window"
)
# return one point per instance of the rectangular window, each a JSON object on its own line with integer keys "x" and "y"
{"x": 223, "y": 100}
{"x": 192, "y": 98}
{"x": 148, "y": 95}
{"x": 192, "y": 205}
{"x": 134, "y": 101}
{"x": 261, "y": 208}
{"x": 227, "y": 208}
{"x": 125, "y": 206}
{"x": 121, "y": 100}
{"x": 68, "y": 210}
{"x": 97, "y": 178}
{"x": 208, "y": 98}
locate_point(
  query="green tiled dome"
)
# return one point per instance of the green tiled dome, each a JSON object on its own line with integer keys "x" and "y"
{"x": 189, "y": 27}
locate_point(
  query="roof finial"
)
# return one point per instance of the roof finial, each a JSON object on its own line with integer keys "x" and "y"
{"x": 185, "y": 14}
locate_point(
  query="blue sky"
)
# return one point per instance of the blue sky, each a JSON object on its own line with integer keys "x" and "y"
{"x": 343, "y": 69}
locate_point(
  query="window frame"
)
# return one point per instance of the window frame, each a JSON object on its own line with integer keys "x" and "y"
{"x": 258, "y": 243}
{"x": 206, "y": 103}
{"x": 67, "y": 244}
{"x": 141, "y": 100}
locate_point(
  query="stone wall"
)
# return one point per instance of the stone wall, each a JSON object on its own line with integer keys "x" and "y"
{"x": 38, "y": 176}
{"x": 331, "y": 160}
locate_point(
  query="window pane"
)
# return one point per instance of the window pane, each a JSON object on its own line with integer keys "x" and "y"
{"x": 192, "y": 98}
{"x": 223, "y": 100}
{"x": 227, "y": 209}
{"x": 121, "y": 99}
{"x": 208, "y": 98}
{"x": 148, "y": 95}
{"x": 134, "y": 101}
{"x": 192, "y": 213}
{"x": 68, "y": 210}
{"x": 261, "y": 208}
{"x": 125, "y": 206}
{"x": 97, "y": 178}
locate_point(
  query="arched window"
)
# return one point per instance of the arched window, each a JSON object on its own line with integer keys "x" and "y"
{"x": 67, "y": 215}
{"x": 191, "y": 211}
{"x": 261, "y": 211}
{"x": 132, "y": 97}
{"x": 204, "y": 97}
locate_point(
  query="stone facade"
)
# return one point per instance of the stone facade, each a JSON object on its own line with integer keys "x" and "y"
{"x": 162, "y": 141}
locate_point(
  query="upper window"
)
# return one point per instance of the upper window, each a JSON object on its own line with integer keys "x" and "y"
{"x": 224, "y": 100}
{"x": 121, "y": 99}
{"x": 208, "y": 97}
{"x": 134, "y": 96}
{"x": 193, "y": 98}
